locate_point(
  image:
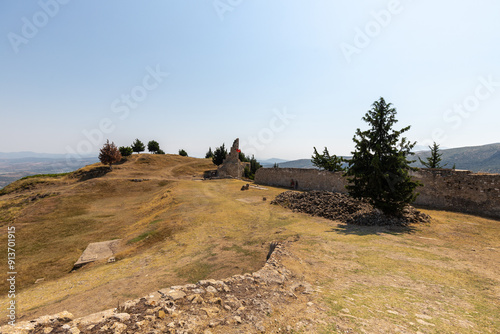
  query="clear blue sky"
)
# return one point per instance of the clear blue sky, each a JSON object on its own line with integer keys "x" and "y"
{"x": 289, "y": 74}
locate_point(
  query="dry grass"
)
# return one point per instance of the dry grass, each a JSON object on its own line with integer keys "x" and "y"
{"x": 437, "y": 278}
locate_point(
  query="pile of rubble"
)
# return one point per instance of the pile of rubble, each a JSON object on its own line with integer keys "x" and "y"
{"x": 239, "y": 304}
{"x": 344, "y": 208}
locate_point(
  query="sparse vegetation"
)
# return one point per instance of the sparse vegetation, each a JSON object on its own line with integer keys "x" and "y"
{"x": 109, "y": 154}
{"x": 183, "y": 153}
{"x": 44, "y": 175}
{"x": 138, "y": 146}
{"x": 379, "y": 168}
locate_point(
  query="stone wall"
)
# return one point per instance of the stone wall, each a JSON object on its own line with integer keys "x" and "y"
{"x": 445, "y": 189}
{"x": 461, "y": 191}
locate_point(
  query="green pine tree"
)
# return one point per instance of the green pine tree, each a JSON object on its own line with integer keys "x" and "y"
{"x": 153, "y": 147}
{"x": 219, "y": 155}
{"x": 254, "y": 166}
{"x": 434, "y": 160}
{"x": 326, "y": 161}
{"x": 209, "y": 154}
{"x": 138, "y": 146}
{"x": 379, "y": 168}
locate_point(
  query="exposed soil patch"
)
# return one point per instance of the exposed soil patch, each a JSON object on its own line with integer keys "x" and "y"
{"x": 344, "y": 208}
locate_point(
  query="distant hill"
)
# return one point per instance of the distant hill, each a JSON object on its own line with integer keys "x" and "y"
{"x": 301, "y": 163}
{"x": 485, "y": 158}
{"x": 271, "y": 162}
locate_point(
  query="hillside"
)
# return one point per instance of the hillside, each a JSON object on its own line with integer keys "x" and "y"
{"x": 177, "y": 229}
{"x": 484, "y": 158}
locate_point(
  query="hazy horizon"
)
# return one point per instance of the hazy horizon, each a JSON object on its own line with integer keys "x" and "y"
{"x": 283, "y": 76}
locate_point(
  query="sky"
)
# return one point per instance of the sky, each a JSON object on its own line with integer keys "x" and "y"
{"x": 284, "y": 76}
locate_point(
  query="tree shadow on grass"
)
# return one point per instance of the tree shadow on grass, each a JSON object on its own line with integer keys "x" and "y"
{"x": 352, "y": 229}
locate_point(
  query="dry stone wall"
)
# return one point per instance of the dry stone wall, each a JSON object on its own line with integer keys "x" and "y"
{"x": 238, "y": 304}
{"x": 444, "y": 189}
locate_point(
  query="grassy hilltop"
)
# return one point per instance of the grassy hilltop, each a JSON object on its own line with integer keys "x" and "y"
{"x": 442, "y": 277}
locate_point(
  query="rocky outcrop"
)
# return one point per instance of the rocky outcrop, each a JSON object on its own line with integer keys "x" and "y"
{"x": 239, "y": 304}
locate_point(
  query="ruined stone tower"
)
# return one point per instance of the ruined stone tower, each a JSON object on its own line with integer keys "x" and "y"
{"x": 232, "y": 166}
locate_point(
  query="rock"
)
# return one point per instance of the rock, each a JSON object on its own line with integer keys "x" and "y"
{"x": 195, "y": 299}
{"x": 237, "y": 319}
{"x": 122, "y": 316}
{"x": 64, "y": 316}
{"x": 74, "y": 330}
{"x": 211, "y": 289}
{"x": 211, "y": 311}
{"x": 173, "y": 294}
{"x": 161, "y": 314}
{"x": 47, "y": 330}
{"x": 118, "y": 328}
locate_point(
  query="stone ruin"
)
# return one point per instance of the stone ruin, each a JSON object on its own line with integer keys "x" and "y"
{"x": 232, "y": 166}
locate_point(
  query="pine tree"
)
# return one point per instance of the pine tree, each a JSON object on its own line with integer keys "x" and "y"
{"x": 138, "y": 146}
{"x": 379, "y": 168}
{"x": 220, "y": 154}
{"x": 249, "y": 172}
{"x": 109, "y": 154}
{"x": 434, "y": 160}
{"x": 209, "y": 154}
{"x": 153, "y": 147}
{"x": 326, "y": 161}
{"x": 242, "y": 157}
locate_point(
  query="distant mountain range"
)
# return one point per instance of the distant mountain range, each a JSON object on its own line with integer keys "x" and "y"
{"x": 485, "y": 158}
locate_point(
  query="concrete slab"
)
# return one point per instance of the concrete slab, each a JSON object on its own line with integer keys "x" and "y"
{"x": 98, "y": 251}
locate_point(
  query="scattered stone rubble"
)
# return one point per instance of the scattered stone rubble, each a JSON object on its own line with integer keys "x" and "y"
{"x": 344, "y": 208}
{"x": 239, "y": 304}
